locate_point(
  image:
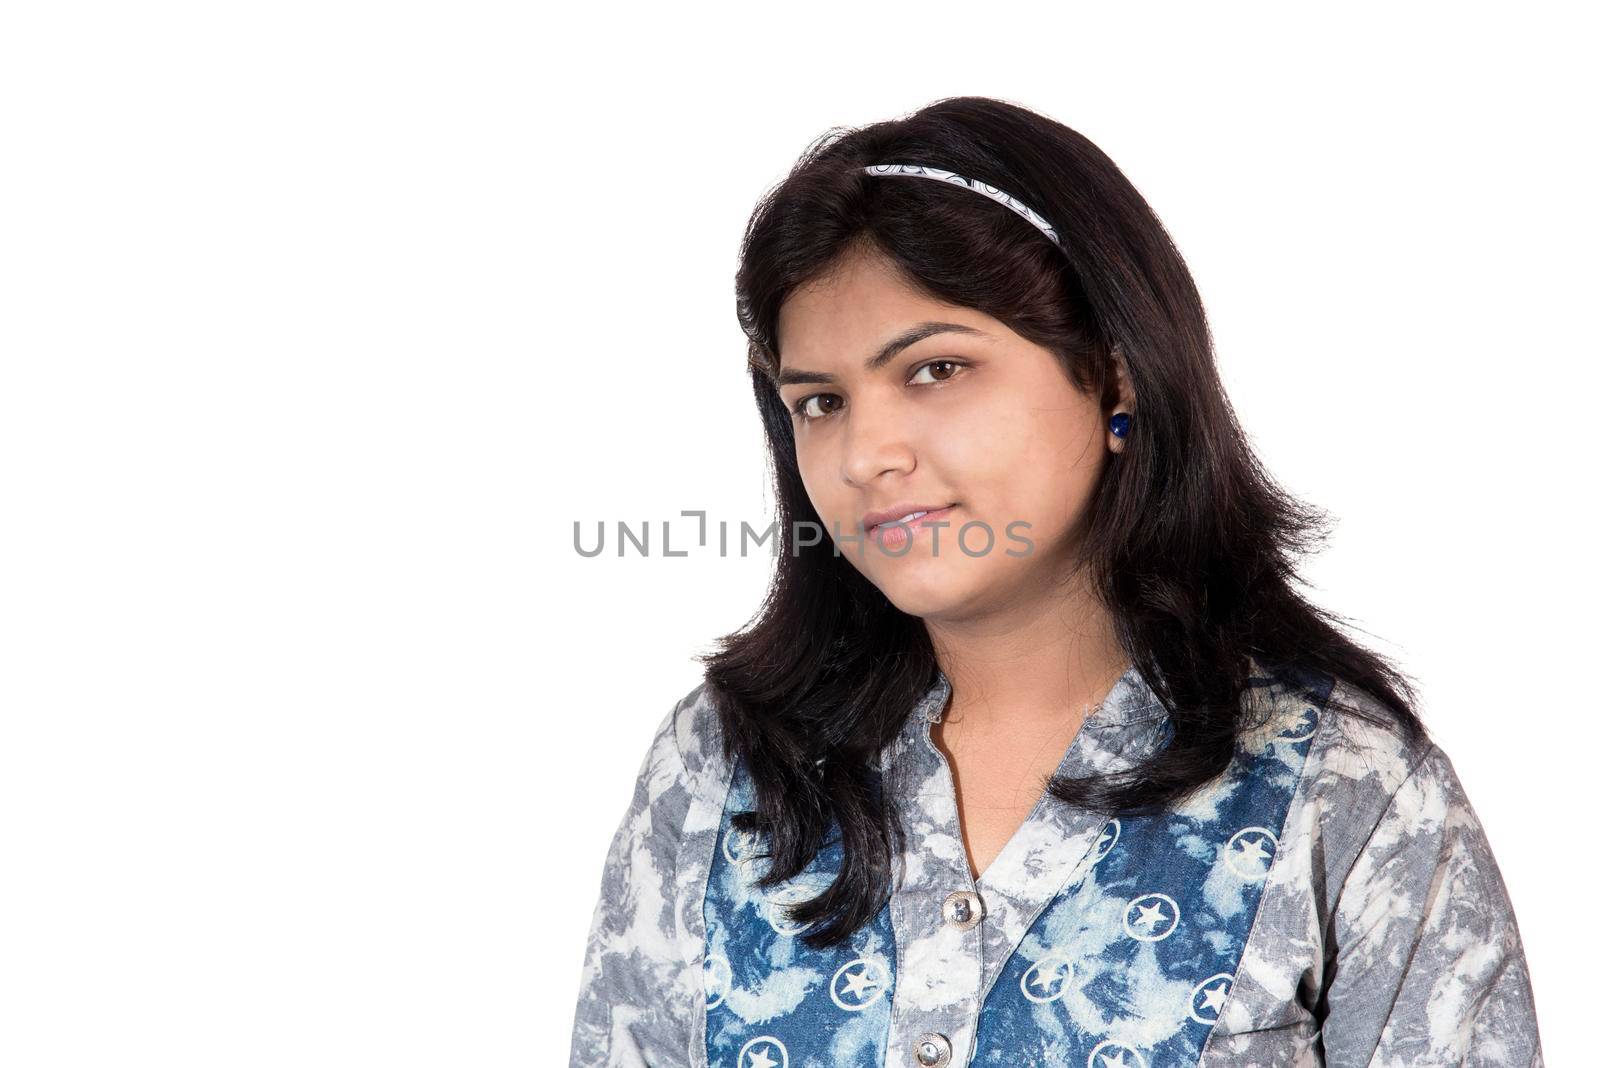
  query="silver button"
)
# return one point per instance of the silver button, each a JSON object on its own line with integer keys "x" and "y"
{"x": 963, "y": 909}
{"x": 933, "y": 1050}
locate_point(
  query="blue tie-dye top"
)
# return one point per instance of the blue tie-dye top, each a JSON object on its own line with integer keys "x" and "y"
{"x": 1330, "y": 899}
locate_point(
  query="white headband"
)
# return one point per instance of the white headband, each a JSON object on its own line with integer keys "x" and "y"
{"x": 999, "y": 196}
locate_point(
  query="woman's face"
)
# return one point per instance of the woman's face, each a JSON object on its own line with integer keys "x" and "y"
{"x": 968, "y": 416}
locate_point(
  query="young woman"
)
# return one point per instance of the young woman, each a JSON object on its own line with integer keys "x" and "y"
{"x": 1035, "y": 754}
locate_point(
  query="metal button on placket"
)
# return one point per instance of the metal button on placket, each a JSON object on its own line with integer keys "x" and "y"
{"x": 933, "y": 1050}
{"x": 963, "y": 909}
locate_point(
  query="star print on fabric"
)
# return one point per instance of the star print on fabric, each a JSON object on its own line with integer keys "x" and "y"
{"x": 858, "y": 983}
{"x": 1098, "y": 1058}
{"x": 1246, "y": 852}
{"x": 1252, "y": 850}
{"x": 719, "y": 979}
{"x": 757, "y": 1053}
{"x": 1118, "y": 1059}
{"x": 1213, "y": 993}
{"x": 1153, "y": 923}
{"x": 1046, "y": 976}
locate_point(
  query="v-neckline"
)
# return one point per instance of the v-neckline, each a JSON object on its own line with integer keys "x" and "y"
{"x": 1014, "y": 841}
{"x": 1113, "y": 708}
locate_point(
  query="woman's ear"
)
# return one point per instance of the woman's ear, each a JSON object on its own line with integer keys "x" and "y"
{"x": 1125, "y": 403}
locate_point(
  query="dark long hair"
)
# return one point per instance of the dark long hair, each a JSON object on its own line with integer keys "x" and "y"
{"x": 1189, "y": 542}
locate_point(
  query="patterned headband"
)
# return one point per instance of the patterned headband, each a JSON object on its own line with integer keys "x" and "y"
{"x": 913, "y": 170}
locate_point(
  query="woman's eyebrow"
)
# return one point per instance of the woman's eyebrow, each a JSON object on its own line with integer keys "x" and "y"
{"x": 793, "y": 376}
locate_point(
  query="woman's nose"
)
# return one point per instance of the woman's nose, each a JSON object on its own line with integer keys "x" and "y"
{"x": 876, "y": 443}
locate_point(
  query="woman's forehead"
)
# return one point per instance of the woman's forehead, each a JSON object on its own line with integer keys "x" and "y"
{"x": 845, "y": 325}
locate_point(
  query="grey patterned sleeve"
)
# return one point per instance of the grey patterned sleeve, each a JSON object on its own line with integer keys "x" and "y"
{"x": 634, "y": 1003}
{"x": 1425, "y": 962}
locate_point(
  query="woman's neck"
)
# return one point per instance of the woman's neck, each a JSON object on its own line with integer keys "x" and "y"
{"x": 1015, "y": 675}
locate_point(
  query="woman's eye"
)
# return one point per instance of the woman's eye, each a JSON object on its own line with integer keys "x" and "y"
{"x": 803, "y": 408}
{"x": 807, "y": 413}
{"x": 950, "y": 364}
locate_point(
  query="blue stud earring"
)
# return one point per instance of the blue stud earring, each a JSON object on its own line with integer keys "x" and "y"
{"x": 1119, "y": 424}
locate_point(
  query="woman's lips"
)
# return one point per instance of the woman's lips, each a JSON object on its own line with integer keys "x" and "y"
{"x": 894, "y": 535}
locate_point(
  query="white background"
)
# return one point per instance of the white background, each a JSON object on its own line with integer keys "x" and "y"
{"x": 323, "y": 322}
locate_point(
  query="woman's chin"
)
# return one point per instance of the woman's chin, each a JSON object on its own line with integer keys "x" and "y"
{"x": 926, "y": 589}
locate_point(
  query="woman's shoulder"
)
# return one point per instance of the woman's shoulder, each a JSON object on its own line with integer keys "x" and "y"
{"x": 679, "y": 771}
{"x": 1373, "y": 790}
{"x": 693, "y": 730}
{"x": 1358, "y": 757}
{"x": 1409, "y": 896}
{"x": 1383, "y": 869}
{"x": 1362, "y": 752}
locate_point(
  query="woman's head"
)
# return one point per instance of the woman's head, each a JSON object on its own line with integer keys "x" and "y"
{"x": 1112, "y": 307}
{"x": 1177, "y": 530}
{"x": 901, "y": 400}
